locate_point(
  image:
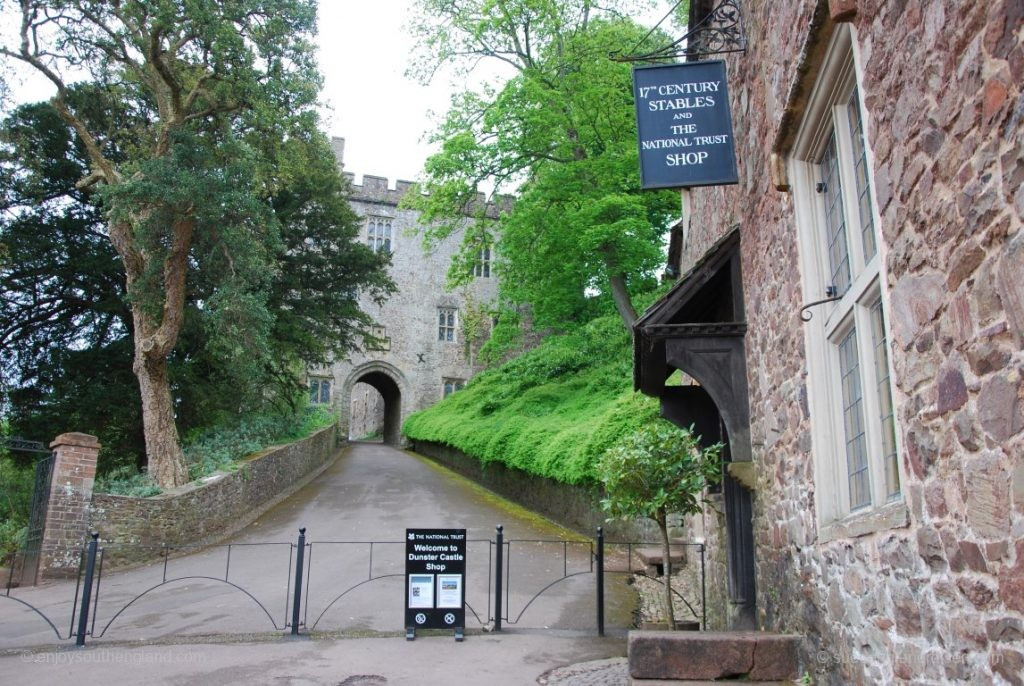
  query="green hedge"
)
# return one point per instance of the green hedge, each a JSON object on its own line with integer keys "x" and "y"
{"x": 551, "y": 412}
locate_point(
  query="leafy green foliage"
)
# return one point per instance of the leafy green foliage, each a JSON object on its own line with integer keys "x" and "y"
{"x": 655, "y": 470}
{"x": 126, "y": 481}
{"x": 204, "y": 89}
{"x": 65, "y": 318}
{"x": 16, "y": 483}
{"x": 561, "y": 131}
{"x": 221, "y": 448}
{"x": 551, "y": 412}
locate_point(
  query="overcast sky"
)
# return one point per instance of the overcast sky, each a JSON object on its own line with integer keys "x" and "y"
{"x": 382, "y": 115}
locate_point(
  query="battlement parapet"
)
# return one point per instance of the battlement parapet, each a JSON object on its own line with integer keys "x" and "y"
{"x": 376, "y": 189}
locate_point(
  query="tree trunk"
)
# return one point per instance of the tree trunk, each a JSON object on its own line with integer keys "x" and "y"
{"x": 154, "y": 340}
{"x": 622, "y": 302}
{"x": 666, "y": 559}
{"x": 163, "y": 448}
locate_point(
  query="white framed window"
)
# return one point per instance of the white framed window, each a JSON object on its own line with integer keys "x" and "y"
{"x": 378, "y": 233}
{"x": 319, "y": 391}
{"x": 446, "y": 319}
{"x": 483, "y": 263}
{"x": 854, "y": 438}
{"x": 452, "y": 385}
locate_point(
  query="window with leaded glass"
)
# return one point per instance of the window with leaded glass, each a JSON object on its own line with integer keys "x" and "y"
{"x": 319, "y": 391}
{"x": 853, "y": 425}
{"x": 446, "y": 323}
{"x": 378, "y": 234}
{"x": 452, "y": 385}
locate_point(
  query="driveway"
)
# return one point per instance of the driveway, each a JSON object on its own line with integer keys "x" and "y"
{"x": 355, "y": 514}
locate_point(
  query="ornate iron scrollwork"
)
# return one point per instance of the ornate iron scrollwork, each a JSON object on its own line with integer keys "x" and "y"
{"x": 719, "y": 32}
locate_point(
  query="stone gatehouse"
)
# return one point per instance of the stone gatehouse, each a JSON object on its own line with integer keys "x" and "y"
{"x": 874, "y": 500}
{"x": 424, "y": 352}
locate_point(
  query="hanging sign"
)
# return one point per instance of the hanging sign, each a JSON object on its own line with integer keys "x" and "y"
{"x": 684, "y": 125}
{"x": 435, "y": 580}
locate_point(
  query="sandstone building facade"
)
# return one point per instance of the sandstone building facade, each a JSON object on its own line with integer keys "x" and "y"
{"x": 874, "y": 501}
{"x": 423, "y": 352}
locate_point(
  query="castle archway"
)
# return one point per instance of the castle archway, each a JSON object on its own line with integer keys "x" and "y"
{"x": 389, "y": 382}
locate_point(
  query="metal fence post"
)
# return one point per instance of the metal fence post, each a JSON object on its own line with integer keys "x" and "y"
{"x": 90, "y": 565}
{"x": 600, "y": 581}
{"x": 499, "y": 569}
{"x": 300, "y": 555}
{"x": 703, "y": 591}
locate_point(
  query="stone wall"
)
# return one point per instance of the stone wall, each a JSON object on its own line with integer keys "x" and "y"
{"x": 366, "y": 417}
{"x": 575, "y": 507}
{"x": 207, "y": 511}
{"x": 939, "y": 598}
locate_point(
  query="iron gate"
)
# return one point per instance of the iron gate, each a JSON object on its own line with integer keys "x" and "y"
{"x": 28, "y": 561}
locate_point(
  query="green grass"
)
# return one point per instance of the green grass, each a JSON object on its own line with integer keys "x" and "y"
{"x": 551, "y": 412}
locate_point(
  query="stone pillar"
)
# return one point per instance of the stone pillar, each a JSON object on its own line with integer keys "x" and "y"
{"x": 67, "y": 511}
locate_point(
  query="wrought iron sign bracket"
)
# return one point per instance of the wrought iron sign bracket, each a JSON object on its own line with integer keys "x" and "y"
{"x": 718, "y": 33}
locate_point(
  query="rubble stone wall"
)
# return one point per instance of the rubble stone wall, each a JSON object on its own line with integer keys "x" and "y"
{"x": 209, "y": 510}
{"x": 940, "y": 598}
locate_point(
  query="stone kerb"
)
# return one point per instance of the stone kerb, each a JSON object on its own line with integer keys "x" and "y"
{"x": 205, "y": 512}
{"x": 67, "y": 511}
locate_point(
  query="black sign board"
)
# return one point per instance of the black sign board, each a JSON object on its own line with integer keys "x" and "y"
{"x": 435, "y": 580}
{"x": 684, "y": 125}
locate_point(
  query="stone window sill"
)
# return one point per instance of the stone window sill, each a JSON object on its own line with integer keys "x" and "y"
{"x": 889, "y": 516}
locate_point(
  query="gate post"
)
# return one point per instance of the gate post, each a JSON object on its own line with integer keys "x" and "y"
{"x": 499, "y": 565}
{"x": 67, "y": 512}
{"x": 300, "y": 556}
{"x": 600, "y": 580}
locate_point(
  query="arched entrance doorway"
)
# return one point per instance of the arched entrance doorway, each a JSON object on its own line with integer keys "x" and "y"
{"x": 387, "y": 382}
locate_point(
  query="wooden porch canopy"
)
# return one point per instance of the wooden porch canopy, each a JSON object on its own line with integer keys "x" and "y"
{"x": 699, "y": 327}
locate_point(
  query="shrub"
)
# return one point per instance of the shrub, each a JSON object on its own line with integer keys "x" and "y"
{"x": 656, "y": 470}
{"x": 220, "y": 448}
{"x": 551, "y": 412}
{"x": 16, "y": 484}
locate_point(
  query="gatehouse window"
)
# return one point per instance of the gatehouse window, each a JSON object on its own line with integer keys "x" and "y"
{"x": 483, "y": 262}
{"x": 446, "y": 317}
{"x": 319, "y": 391}
{"x": 378, "y": 234}
{"x": 852, "y": 420}
{"x": 452, "y": 385}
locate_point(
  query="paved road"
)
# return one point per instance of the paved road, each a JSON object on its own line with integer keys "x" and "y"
{"x": 354, "y": 588}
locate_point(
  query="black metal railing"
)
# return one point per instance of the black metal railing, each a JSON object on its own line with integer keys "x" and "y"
{"x": 238, "y": 587}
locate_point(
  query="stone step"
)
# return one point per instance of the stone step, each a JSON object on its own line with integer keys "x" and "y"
{"x": 688, "y": 656}
{"x": 702, "y": 682}
{"x": 653, "y": 559}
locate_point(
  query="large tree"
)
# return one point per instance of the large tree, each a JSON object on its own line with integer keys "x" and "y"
{"x": 561, "y": 131}
{"x": 65, "y": 320}
{"x": 185, "y": 193}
